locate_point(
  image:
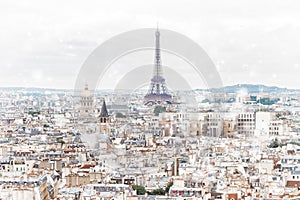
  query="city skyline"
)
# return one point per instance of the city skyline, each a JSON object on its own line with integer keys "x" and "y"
{"x": 143, "y": 100}
{"x": 247, "y": 43}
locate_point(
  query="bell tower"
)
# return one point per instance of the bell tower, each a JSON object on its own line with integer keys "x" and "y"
{"x": 104, "y": 120}
{"x": 86, "y": 103}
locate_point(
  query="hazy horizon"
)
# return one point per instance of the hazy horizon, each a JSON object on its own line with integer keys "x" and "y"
{"x": 144, "y": 89}
{"x": 44, "y": 44}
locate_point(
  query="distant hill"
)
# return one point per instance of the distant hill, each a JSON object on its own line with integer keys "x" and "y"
{"x": 251, "y": 88}
{"x": 33, "y": 89}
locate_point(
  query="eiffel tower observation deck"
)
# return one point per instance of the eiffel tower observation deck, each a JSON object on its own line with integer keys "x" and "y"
{"x": 158, "y": 92}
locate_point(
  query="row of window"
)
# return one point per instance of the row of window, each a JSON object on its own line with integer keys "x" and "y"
{"x": 273, "y": 128}
{"x": 246, "y": 120}
{"x": 246, "y": 132}
{"x": 213, "y": 124}
{"x": 87, "y": 98}
{"x": 246, "y": 124}
{"x": 248, "y": 115}
{"x": 87, "y": 104}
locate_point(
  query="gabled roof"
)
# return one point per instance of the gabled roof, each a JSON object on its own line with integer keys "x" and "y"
{"x": 87, "y": 166}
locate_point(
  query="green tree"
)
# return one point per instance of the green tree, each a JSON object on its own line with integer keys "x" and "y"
{"x": 168, "y": 187}
{"x": 120, "y": 115}
{"x": 159, "y": 191}
{"x": 253, "y": 98}
{"x": 274, "y": 144}
{"x": 205, "y": 101}
{"x": 140, "y": 190}
{"x": 60, "y": 140}
{"x": 34, "y": 113}
{"x": 159, "y": 109}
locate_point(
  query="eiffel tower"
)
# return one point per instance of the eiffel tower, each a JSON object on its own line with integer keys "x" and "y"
{"x": 158, "y": 92}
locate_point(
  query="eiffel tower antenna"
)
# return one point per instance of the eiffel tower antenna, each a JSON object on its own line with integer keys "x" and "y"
{"x": 158, "y": 92}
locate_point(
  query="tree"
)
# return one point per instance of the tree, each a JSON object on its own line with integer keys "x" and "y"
{"x": 140, "y": 190}
{"x": 60, "y": 140}
{"x": 120, "y": 115}
{"x": 169, "y": 185}
{"x": 34, "y": 113}
{"x": 274, "y": 144}
{"x": 159, "y": 109}
{"x": 205, "y": 101}
{"x": 159, "y": 191}
{"x": 253, "y": 98}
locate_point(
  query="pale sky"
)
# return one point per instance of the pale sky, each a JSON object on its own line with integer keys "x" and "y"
{"x": 44, "y": 43}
